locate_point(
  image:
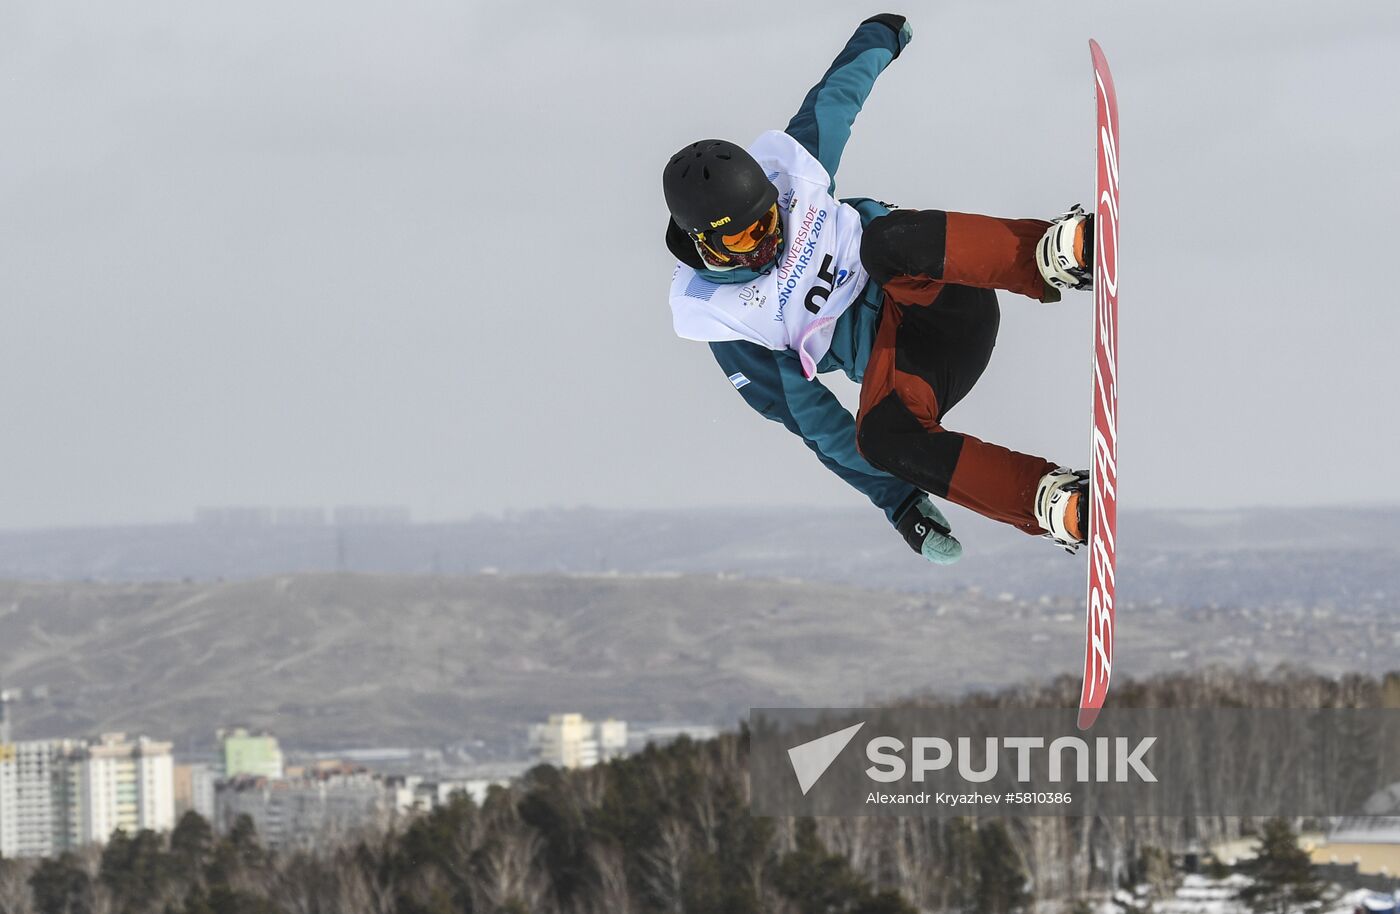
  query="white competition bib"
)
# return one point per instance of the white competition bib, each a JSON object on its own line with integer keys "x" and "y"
{"x": 817, "y": 276}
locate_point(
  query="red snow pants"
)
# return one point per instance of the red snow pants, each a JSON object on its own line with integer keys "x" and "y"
{"x": 937, "y": 329}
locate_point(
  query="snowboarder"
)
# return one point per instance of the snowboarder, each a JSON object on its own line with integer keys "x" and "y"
{"x": 784, "y": 281}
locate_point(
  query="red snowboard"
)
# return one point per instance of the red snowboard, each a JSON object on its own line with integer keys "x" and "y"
{"x": 1103, "y": 476}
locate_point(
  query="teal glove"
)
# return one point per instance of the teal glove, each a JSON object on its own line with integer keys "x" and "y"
{"x": 926, "y": 531}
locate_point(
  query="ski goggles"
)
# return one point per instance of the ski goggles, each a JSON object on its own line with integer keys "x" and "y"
{"x": 746, "y": 241}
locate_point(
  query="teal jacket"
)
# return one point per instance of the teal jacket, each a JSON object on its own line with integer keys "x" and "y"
{"x": 772, "y": 382}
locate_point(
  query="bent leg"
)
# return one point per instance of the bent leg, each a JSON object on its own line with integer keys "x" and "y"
{"x": 933, "y": 343}
{"x": 987, "y": 478}
{"x": 961, "y": 248}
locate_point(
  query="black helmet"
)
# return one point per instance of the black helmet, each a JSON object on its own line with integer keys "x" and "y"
{"x": 723, "y": 203}
{"x": 714, "y": 184}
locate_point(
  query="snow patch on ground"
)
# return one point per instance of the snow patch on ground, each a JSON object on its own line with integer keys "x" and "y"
{"x": 1198, "y": 894}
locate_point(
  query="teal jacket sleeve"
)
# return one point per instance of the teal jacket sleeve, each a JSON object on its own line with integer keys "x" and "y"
{"x": 823, "y": 123}
{"x": 772, "y": 383}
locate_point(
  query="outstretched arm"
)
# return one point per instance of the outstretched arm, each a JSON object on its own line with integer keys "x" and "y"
{"x": 772, "y": 383}
{"x": 823, "y": 123}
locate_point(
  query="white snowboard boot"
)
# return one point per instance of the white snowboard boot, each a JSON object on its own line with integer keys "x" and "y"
{"x": 1065, "y": 254}
{"x": 1062, "y": 507}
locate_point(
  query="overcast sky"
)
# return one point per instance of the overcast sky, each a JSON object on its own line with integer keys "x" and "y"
{"x": 410, "y": 252}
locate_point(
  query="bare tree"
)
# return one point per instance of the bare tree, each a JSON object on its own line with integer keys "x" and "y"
{"x": 375, "y": 888}
{"x": 664, "y": 867}
{"x": 610, "y": 869}
{"x": 15, "y": 895}
{"x": 508, "y": 871}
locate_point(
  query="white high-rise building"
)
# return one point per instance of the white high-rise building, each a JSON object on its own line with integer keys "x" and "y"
{"x": 116, "y": 783}
{"x": 33, "y": 797}
{"x": 574, "y": 741}
{"x": 62, "y": 794}
{"x": 565, "y": 741}
{"x": 8, "y": 775}
{"x": 612, "y": 739}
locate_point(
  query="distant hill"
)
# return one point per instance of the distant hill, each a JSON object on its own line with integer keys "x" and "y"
{"x": 1236, "y": 558}
{"x": 335, "y": 660}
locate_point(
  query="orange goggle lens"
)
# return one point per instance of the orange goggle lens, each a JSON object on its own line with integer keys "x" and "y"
{"x": 751, "y": 237}
{"x": 716, "y": 257}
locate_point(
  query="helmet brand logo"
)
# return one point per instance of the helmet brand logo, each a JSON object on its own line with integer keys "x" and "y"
{"x": 723, "y": 221}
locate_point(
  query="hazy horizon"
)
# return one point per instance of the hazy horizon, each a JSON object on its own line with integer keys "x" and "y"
{"x": 507, "y": 513}
{"x": 410, "y": 253}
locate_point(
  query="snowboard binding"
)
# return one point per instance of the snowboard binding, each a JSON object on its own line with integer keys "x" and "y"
{"x": 1062, "y": 507}
{"x": 1065, "y": 254}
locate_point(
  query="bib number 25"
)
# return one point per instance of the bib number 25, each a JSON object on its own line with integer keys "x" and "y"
{"x": 818, "y": 294}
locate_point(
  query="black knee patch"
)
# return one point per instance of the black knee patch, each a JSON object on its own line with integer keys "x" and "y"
{"x": 893, "y": 440}
{"x": 872, "y": 438}
{"x": 906, "y": 242}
